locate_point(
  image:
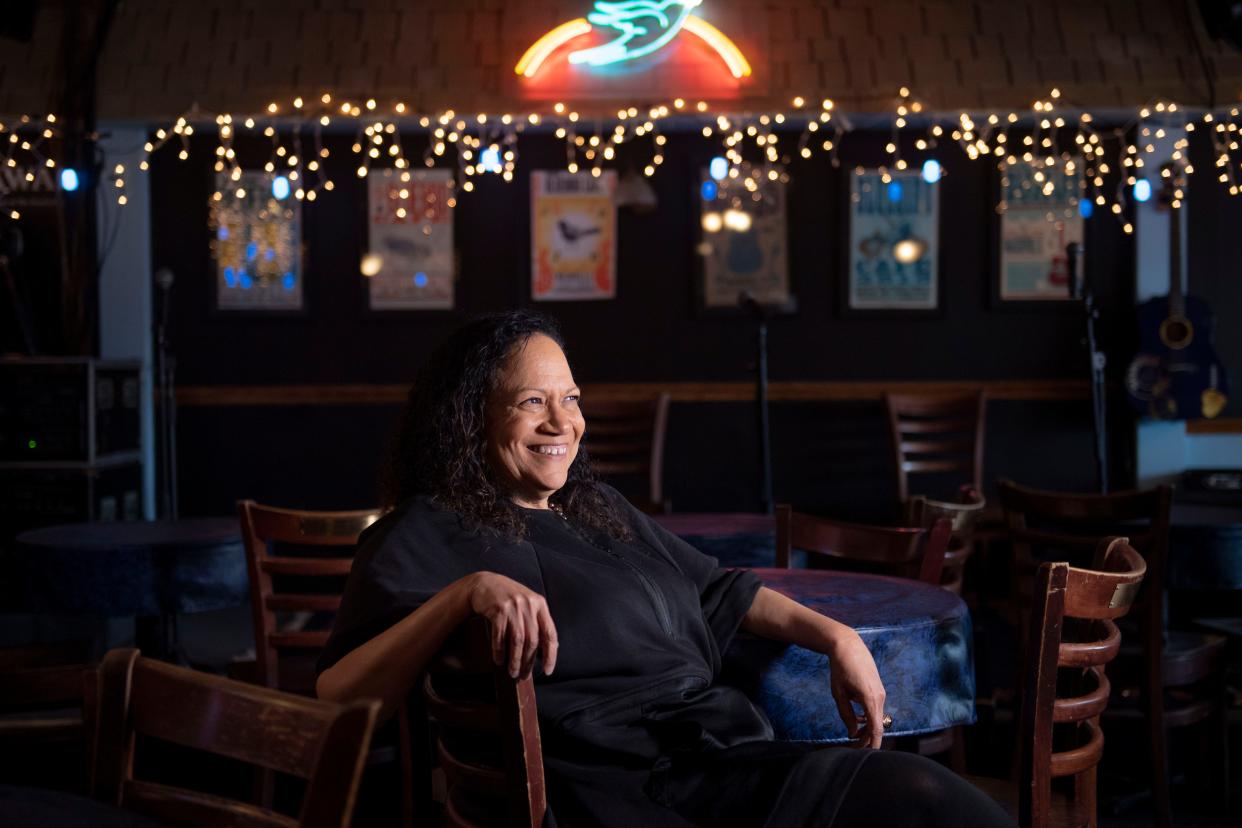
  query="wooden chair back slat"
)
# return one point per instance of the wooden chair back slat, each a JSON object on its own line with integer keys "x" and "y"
{"x": 321, "y": 742}
{"x": 299, "y": 640}
{"x": 916, "y": 553}
{"x": 629, "y": 427}
{"x": 518, "y": 788}
{"x": 942, "y": 425}
{"x": 292, "y": 602}
{"x": 177, "y": 806}
{"x": 1089, "y": 599}
{"x": 311, "y": 567}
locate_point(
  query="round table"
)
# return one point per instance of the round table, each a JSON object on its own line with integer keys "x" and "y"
{"x": 151, "y": 570}
{"x": 919, "y": 635}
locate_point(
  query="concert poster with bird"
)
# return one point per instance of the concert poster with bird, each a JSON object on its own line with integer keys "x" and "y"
{"x": 573, "y": 236}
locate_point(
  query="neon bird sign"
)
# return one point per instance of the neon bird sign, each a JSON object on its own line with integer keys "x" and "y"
{"x": 636, "y": 28}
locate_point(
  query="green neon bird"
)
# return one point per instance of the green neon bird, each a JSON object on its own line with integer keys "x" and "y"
{"x": 665, "y": 16}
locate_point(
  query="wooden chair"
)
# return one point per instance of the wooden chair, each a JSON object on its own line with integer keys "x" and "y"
{"x": 46, "y": 706}
{"x": 626, "y": 437}
{"x": 318, "y": 579}
{"x": 1072, "y": 637}
{"x": 1178, "y": 676}
{"x": 320, "y": 742}
{"x": 936, "y": 434}
{"x": 285, "y": 656}
{"x": 488, "y": 739}
{"x": 962, "y": 516}
{"x": 905, "y": 552}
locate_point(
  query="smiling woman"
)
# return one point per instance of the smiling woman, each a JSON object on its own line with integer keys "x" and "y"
{"x": 496, "y": 512}
{"x": 534, "y": 426}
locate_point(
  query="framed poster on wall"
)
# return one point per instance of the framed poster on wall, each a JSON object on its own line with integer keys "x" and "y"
{"x": 256, "y": 242}
{"x": 1042, "y": 214}
{"x": 573, "y": 236}
{"x": 893, "y": 256}
{"x": 744, "y": 241}
{"x": 409, "y": 262}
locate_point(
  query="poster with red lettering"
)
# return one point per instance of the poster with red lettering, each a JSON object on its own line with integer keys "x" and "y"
{"x": 409, "y": 262}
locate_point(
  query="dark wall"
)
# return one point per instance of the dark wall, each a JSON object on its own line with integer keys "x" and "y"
{"x": 832, "y": 456}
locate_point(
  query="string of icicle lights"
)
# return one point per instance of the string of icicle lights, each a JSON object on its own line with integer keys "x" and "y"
{"x": 1109, "y": 162}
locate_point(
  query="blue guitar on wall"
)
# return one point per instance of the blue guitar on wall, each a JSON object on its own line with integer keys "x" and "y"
{"x": 1176, "y": 374}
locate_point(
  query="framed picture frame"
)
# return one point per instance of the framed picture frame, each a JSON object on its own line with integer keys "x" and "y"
{"x": 410, "y": 259}
{"x": 1041, "y": 213}
{"x": 743, "y": 239}
{"x": 573, "y": 236}
{"x": 891, "y": 260}
{"x": 256, "y": 245}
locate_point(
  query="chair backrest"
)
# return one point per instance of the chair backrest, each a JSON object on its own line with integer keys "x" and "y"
{"x": 1071, "y": 629}
{"x": 913, "y": 552}
{"x": 321, "y": 742}
{"x": 962, "y": 516}
{"x": 1047, "y": 525}
{"x": 264, "y": 530}
{"x": 626, "y": 437}
{"x": 488, "y": 737}
{"x": 46, "y": 696}
{"x": 936, "y": 434}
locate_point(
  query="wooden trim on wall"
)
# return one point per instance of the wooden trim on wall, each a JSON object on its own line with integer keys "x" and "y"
{"x": 1225, "y": 425}
{"x": 205, "y": 396}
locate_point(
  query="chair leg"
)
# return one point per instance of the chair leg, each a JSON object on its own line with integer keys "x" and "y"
{"x": 1158, "y": 737}
{"x": 1084, "y": 797}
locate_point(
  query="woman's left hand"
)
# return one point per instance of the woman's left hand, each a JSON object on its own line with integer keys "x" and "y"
{"x": 855, "y": 679}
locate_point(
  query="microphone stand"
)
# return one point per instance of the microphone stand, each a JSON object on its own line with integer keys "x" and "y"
{"x": 166, "y": 405}
{"x": 761, "y": 315}
{"x": 1082, "y": 289}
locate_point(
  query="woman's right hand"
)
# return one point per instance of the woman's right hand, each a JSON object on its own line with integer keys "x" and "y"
{"x": 521, "y": 623}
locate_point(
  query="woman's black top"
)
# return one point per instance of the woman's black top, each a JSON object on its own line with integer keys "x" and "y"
{"x": 635, "y": 729}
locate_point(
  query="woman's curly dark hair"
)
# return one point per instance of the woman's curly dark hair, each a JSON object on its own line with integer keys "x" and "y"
{"x": 440, "y": 445}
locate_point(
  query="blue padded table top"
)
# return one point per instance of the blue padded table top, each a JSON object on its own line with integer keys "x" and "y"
{"x": 919, "y": 635}
{"x": 143, "y": 568}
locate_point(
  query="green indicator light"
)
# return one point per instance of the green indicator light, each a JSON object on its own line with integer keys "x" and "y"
{"x": 31, "y": 444}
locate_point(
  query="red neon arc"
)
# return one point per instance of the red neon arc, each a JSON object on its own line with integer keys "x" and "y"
{"x": 543, "y": 48}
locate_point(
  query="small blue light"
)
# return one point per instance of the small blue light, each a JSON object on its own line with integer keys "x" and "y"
{"x": 489, "y": 160}
{"x": 288, "y": 281}
{"x": 931, "y": 170}
{"x": 230, "y": 278}
{"x": 245, "y": 281}
{"x": 894, "y": 191}
{"x": 223, "y": 233}
{"x": 1085, "y": 207}
{"x": 269, "y": 254}
{"x": 709, "y": 190}
{"x": 252, "y": 250}
{"x": 280, "y": 188}
{"x": 420, "y": 279}
{"x": 719, "y": 168}
{"x": 1142, "y": 190}
{"x": 69, "y": 179}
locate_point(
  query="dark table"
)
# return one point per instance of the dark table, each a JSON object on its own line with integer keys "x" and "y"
{"x": 919, "y": 635}
{"x": 40, "y": 808}
{"x": 151, "y": 570}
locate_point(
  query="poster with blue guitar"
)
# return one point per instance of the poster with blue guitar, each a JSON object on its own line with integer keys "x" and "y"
{"x": 744, "y": 243}
{"x": 894, "y": 245}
